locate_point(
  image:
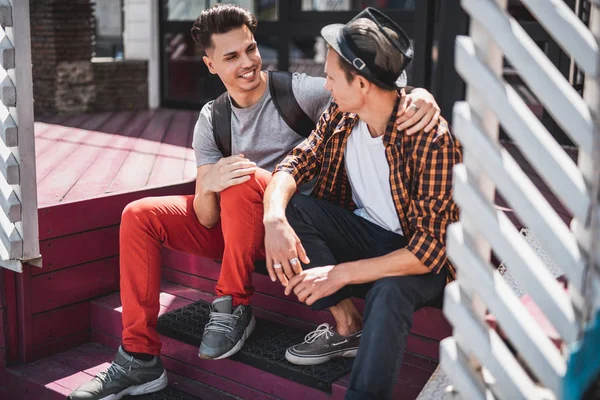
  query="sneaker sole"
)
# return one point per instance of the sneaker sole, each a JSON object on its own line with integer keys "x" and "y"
{"x": 316, "y": 360}
{"x": 238, "y": 346}
{"x": 150, "y": 387}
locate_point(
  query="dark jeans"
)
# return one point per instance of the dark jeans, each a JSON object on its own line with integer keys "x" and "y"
{"x": 332, "y": 235}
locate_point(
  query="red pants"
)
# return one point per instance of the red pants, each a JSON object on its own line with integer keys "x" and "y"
{"x": 150, "y": 223}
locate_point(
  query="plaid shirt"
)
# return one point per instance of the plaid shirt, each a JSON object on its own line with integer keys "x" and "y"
{"x": 420, "y": 178}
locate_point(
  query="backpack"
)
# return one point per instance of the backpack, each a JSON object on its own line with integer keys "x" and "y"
{"x": 280, "y": 86}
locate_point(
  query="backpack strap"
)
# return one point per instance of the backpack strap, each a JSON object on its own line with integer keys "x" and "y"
{"x": 221, "y": 121}
{"x": 280, "y": 85}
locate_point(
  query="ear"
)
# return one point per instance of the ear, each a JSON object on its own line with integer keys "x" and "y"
{"x": 363, "y": 83}
{"x": 209, "y": 64}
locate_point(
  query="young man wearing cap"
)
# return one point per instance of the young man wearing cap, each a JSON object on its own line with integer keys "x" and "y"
{"x": 377, "y": 218}
{"x": 224, "y": 217}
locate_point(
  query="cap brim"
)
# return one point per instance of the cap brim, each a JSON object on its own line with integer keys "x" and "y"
{"x": 331, "y": 34}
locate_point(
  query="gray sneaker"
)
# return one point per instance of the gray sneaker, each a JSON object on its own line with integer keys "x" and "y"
{"x": 125, "y": 376}
{"x": 227, "y": 330}
{"x": 322, "y": 345}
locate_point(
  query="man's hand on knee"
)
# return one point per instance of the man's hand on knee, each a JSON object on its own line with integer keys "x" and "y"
{"x": 227, "y": 172}
{"x": 316, "y": 283}
{"x": 284, "y": 251}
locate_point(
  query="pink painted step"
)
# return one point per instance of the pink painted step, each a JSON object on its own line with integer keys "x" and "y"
{"x": 233, "y": 377}
{"x": 429, "y": 323}
{"x": 57, "y": 376}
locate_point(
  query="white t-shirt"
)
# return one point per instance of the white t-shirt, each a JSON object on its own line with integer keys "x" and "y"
{"x": 369, "y": 176}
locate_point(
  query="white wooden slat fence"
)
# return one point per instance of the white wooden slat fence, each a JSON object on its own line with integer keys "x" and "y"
{"x": 476, "y": 359}
{"x": 19, "y": 236}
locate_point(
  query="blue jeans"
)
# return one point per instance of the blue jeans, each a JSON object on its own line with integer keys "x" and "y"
{"x": 332, "y": 235}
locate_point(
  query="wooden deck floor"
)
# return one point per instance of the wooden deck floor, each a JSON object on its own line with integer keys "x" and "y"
{"x": 93, "y": 155}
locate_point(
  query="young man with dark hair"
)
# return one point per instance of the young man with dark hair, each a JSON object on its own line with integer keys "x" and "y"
{"x": 376, "y": 220}
{"x": 224, "y": 218}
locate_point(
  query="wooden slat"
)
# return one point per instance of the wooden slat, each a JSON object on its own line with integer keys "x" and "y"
{"x": 96, "y": 122}
{"x": 172, "y": 153}
{"x": 568, "y": 30}
{"x": 86, "y": 357}
{"x": 6, "y": 19}
{"x": 54, "y": 186}
{"x": 530, "y": 205}
{"x": 125, "y": 128}
{"x": 23, "y": 307}
{"x": 118, "y": 122}
{"x": 94, "y": 182}
{"x": 510, "y": 380}
{"x": 536, "y": 69}
{"x": 166, "y": 170}
{"x": 460, "y": 373}
{"x": 80, "y": 248}
{"x": 75, "y": 121}
{"x": 10, "y": 297}
{"x": 137, "y": 124}
{"x": 75, "y": 284}
{"x": 154, "y": 132}
{"x": 524, "y": 333}
{"x": 42, "y": 145}
{"x": 60, "y": 124}
{"x": 68, "y": 382}
{"x": 10, "y": 204}
{"x": 423, "y": 346}
{"x": 45, "y": 372}
{"x": 136, "y": 170}
{"x": 8, "y": 92}
{"x": 11, "y": 240}
{"x": 550, "y": 161}
{"x": 57, "y": 324}
{"x": 134, "y": 173}
{"x": 512, "y": 248}
{"x": 3, "y": 329}
{"x": 8, "y": 128}
{"x": 177, "y": 135}
{"x": 7, "y": 52}
{"x": 9, "y": 166}
{"x": 54, "y": 156}
{"x": 69, "y": 218}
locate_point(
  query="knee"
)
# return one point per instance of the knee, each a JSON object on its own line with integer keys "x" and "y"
{"x": 390, "y": 291}
{"x": 250, "y": 191}
{"x": 237, "y": 191}
{"x": 135, "y": 212}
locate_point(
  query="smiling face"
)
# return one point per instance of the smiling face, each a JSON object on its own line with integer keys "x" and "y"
{"x": 235, "y": 58}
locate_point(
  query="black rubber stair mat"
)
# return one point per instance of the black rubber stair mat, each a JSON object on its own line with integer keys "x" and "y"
{"x": 265, "y": 349}
{"x": 168, "y": 393}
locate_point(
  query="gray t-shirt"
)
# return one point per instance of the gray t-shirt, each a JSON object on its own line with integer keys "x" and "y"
{"x": 258, "y": 131}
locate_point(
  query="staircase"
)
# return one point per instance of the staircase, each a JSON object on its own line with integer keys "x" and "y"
{"x": 259, "y": 371}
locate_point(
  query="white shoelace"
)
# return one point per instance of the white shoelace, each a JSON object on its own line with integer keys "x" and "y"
{"x": 220, "y": 322}
{"x": 113, "y": 371}
{"x": 323, "y": 329}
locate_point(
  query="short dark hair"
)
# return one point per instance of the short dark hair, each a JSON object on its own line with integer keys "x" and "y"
{"x": 220, "y": 18}
{"x": 367, "y": 37}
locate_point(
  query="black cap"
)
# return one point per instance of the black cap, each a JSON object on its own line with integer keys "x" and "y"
{"x": 338, "y": 37}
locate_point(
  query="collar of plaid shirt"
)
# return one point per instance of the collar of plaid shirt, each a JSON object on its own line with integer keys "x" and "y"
{"x": 392, "y": 140}
{"x": 420, "y": 177}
